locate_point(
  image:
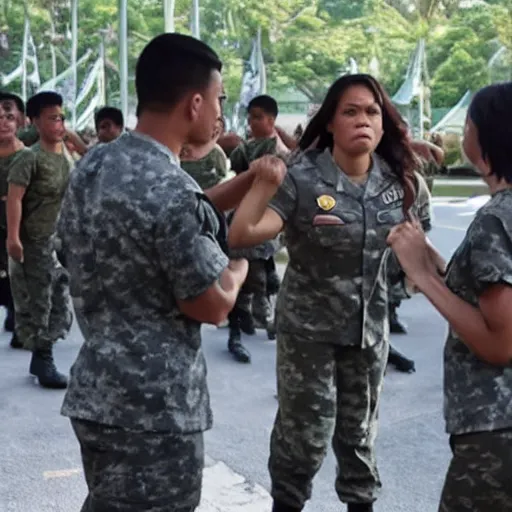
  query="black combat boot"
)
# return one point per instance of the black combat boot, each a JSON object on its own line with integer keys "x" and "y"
{"x": 246, "y": 322}
{"x": 9, "y": 320}
{"x": 240, "y": 353}
{"x": 400, "y": 362}
{"x": 283, "y": 507}
{"x": 395, "y": 325}
{"x": 15, "y": 342}
{"x": 273, "y": 283}
{"x": 360, "y": 507}
{"x": 43, "y": 367}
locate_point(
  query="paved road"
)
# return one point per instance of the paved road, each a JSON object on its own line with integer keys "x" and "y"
{"x": 39, "y": 458}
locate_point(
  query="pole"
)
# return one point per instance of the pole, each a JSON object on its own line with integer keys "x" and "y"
{"x": 196, "y": 32}
{"x": 169, "y": 6}
{"x": 103, "y": 72}
{"x": 123, "y": 55}
{"x": 74, "y": 51}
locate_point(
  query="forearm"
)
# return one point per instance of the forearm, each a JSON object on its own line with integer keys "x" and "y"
{"x": 243, "y": 230}
{"x": 228, "y": 194}
{"x": 14, "y": 212}
{"x": 466, "y": 320}
{"x": 79, "y": 144}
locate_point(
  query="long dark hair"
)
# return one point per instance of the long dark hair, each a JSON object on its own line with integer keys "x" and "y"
{"x": 394, "y": 147}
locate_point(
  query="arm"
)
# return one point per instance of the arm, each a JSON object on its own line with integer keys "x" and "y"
{"x": 289, "y": 141}
{"x": 14, "y": 212}
{"x": 19, "y": 178}
{"x": 78, "y": 143}
{"x": 228, "y": 194}
{"x": 203, "y": 281}
{"x": 487, "y": 329}
{"x": 256, "y": 221}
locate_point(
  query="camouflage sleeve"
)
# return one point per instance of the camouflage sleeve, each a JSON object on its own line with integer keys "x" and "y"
{"x": 187, "y": 247}
{"x": 284, "y": 201}
{"x": 238, "y": 160}
{"x": 22, "y": 169}
{"x": 490, "y": 252}
{"x": 424, "y": 203}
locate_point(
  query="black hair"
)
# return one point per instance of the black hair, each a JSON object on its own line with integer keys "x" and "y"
{"x": 37, "y": 103}
{"x": 265, "y": 103}
{"x": 7, "y": 96}
{"x": 490, "y": 111}
{"x": 112, "y": 114}
{"x": 394, "y": 147}
{"x": 169, "y": 67}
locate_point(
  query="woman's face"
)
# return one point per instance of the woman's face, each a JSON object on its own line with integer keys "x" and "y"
{"x": 357, "y": 124}
{"x": 472, "y": 149}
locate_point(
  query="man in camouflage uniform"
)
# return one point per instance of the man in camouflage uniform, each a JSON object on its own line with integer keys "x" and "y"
{"x": 12, "y": 155}
{"x": 146, "y": 250}
{"x": 40, "y": 285}
{"x": 262, "y": 281}
{"x": 424, "y": 211}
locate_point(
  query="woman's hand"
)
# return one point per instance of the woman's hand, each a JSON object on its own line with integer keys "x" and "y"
{"x": 269, "y": 171}
{"x": 415, "y": 253}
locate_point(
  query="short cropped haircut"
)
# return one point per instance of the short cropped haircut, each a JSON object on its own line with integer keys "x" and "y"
{"x": 7, "y": 96}
{"x": 265, "y": 103}
{"x": 491, "y": 111}
{"x": 111, "y": 113}
{"x": 37, "y": 103}
{"x": 169, "y": 67}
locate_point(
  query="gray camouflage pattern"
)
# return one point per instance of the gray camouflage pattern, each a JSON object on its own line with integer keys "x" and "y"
{"x": 134, "y": 471}
{"x": 326, "y": 391}
{"x": 40, "y": 291}
{"x": 138, "y": 235}
{"x": 345, "y": 268}
{"x": 479, "y": 478}
{"x": 478, "y": 395}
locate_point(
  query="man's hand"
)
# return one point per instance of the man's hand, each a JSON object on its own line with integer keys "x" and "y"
{"x": 15, "y": 249}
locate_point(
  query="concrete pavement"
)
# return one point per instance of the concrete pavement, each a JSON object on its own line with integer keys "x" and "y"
{"x": 40, "y": 462}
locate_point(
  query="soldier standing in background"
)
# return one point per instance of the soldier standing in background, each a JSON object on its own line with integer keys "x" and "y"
{"x": 207, "y": 164}
{"x": 40, "y": 286}
{"x": 253, "y": 301}
{"x": 424, "y": 212}
{"x": 13, "y": 154}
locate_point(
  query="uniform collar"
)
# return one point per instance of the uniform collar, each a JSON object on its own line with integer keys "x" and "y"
{"x": 174, "y": 159}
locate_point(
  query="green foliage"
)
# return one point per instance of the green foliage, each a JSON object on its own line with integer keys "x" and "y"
{"x": 307, "y": 43}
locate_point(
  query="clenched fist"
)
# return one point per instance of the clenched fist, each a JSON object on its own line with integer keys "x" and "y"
{"x": 268, "y": 170}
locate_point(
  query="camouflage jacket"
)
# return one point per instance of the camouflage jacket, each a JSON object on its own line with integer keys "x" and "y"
{"x": 138, "y": 235}
{"x": 209, "y": 170}
{"x": 478, "y": 395}
{"x": 335, "y": 288}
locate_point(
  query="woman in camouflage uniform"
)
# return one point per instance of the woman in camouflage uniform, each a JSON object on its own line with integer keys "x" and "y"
{"x": 337, "y": 203}
{"x": 476, "y": 299}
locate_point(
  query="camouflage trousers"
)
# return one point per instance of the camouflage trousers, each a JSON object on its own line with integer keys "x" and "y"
{"x": 326, "y": 392}
{"x": 40, "y": 289}
{"x": 136, "y": 471}
{"x": 479, "y": 478}
{"x": 253, "y": 294}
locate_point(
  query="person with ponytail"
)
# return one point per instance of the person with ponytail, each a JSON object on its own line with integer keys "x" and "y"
{"x": 349, "y": 184}
{"x": 476, "y": 299}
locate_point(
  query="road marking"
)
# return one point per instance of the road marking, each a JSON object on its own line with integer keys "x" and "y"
{"x": 454, "y": 228}
{"x": 223, "y": 490}
{"x": 63, "y": 473}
